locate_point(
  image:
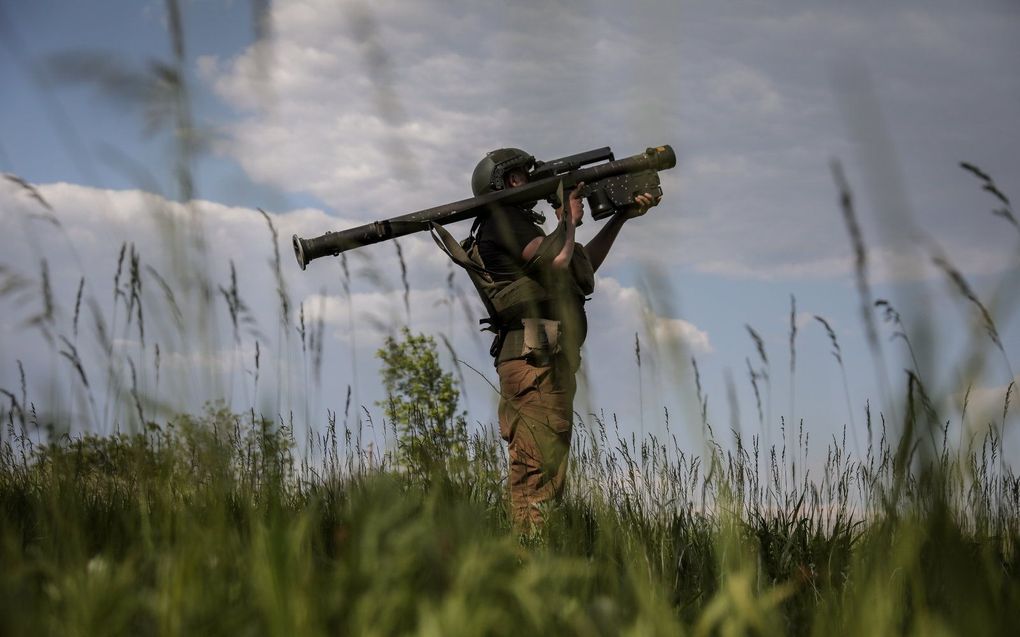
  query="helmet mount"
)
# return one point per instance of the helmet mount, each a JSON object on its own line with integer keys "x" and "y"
{"x": 495, "y": 166}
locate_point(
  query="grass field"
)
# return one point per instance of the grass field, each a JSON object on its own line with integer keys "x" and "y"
{"x": 213, "y": 525}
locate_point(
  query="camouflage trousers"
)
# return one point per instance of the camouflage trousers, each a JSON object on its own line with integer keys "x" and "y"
{"x": 536, "y": 411}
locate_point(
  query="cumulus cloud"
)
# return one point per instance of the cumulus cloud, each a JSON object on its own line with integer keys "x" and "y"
{"x": 370, "y": 96}
{"x": 160, "y": 274}
{"x": 201, "y": 355}
{"x": 671, "y": 329}
{"x": 629, "y": 311}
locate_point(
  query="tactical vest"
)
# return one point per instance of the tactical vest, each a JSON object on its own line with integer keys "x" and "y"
{"x": 508, "y": 302}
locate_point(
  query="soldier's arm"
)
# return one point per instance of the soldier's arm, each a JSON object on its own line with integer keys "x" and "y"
{"x": 562, "y": 259}
{"x": 598, "y": 248}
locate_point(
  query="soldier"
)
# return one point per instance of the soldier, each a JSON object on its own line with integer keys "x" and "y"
{"x": 541, "y": 284}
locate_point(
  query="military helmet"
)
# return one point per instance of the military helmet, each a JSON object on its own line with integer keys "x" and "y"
{"x": 489, "y": 173}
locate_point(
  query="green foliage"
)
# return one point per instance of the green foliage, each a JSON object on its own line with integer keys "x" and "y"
{"x": 416, "y": 385}
{"x": 207, "y": 525}
{"x": 422, "y": 403}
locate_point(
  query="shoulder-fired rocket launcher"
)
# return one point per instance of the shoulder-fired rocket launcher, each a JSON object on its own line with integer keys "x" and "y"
{"x": 609, "y": 186}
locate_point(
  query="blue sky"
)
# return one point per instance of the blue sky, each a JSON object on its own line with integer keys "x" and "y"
{"x": 353, "y": 112}
{"x": 134, "y": 33}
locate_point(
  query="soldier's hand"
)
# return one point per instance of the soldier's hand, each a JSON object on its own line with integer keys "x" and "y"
{"x": 644, "y": 202}
{"x": 576, "y": 204}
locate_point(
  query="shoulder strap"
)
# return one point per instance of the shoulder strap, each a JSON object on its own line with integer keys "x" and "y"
{"x": 456, "y": 251}
{"x": 459, "y": 255}
{"x": 481, "y": 278}
{"x": 503, "y": 299}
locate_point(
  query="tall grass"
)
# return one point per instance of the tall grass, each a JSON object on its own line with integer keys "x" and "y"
{"x": 216, "y": 524}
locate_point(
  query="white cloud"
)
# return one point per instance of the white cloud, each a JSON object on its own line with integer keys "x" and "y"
{"x": 200, "y": 359}
{"x": 95, "y": 224}
{"x": 383, "y": 109}
{"x": 629, "y": 312}
{"x": 671, "y": 329}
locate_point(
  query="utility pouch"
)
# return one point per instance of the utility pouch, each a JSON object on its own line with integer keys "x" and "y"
{"x": 541, "y": 340}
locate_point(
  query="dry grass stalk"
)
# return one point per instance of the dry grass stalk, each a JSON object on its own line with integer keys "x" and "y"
{"x": 31, "y": 190}
{"x": 989, "y": 185}
{"x": 281, "y": 286}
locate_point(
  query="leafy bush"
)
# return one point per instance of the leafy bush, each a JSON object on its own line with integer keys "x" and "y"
{"x": 422, "y": 403}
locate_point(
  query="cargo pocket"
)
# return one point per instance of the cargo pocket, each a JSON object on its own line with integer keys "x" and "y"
{"x": 541, "y": 341}
{"x": 516, "y": 380}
